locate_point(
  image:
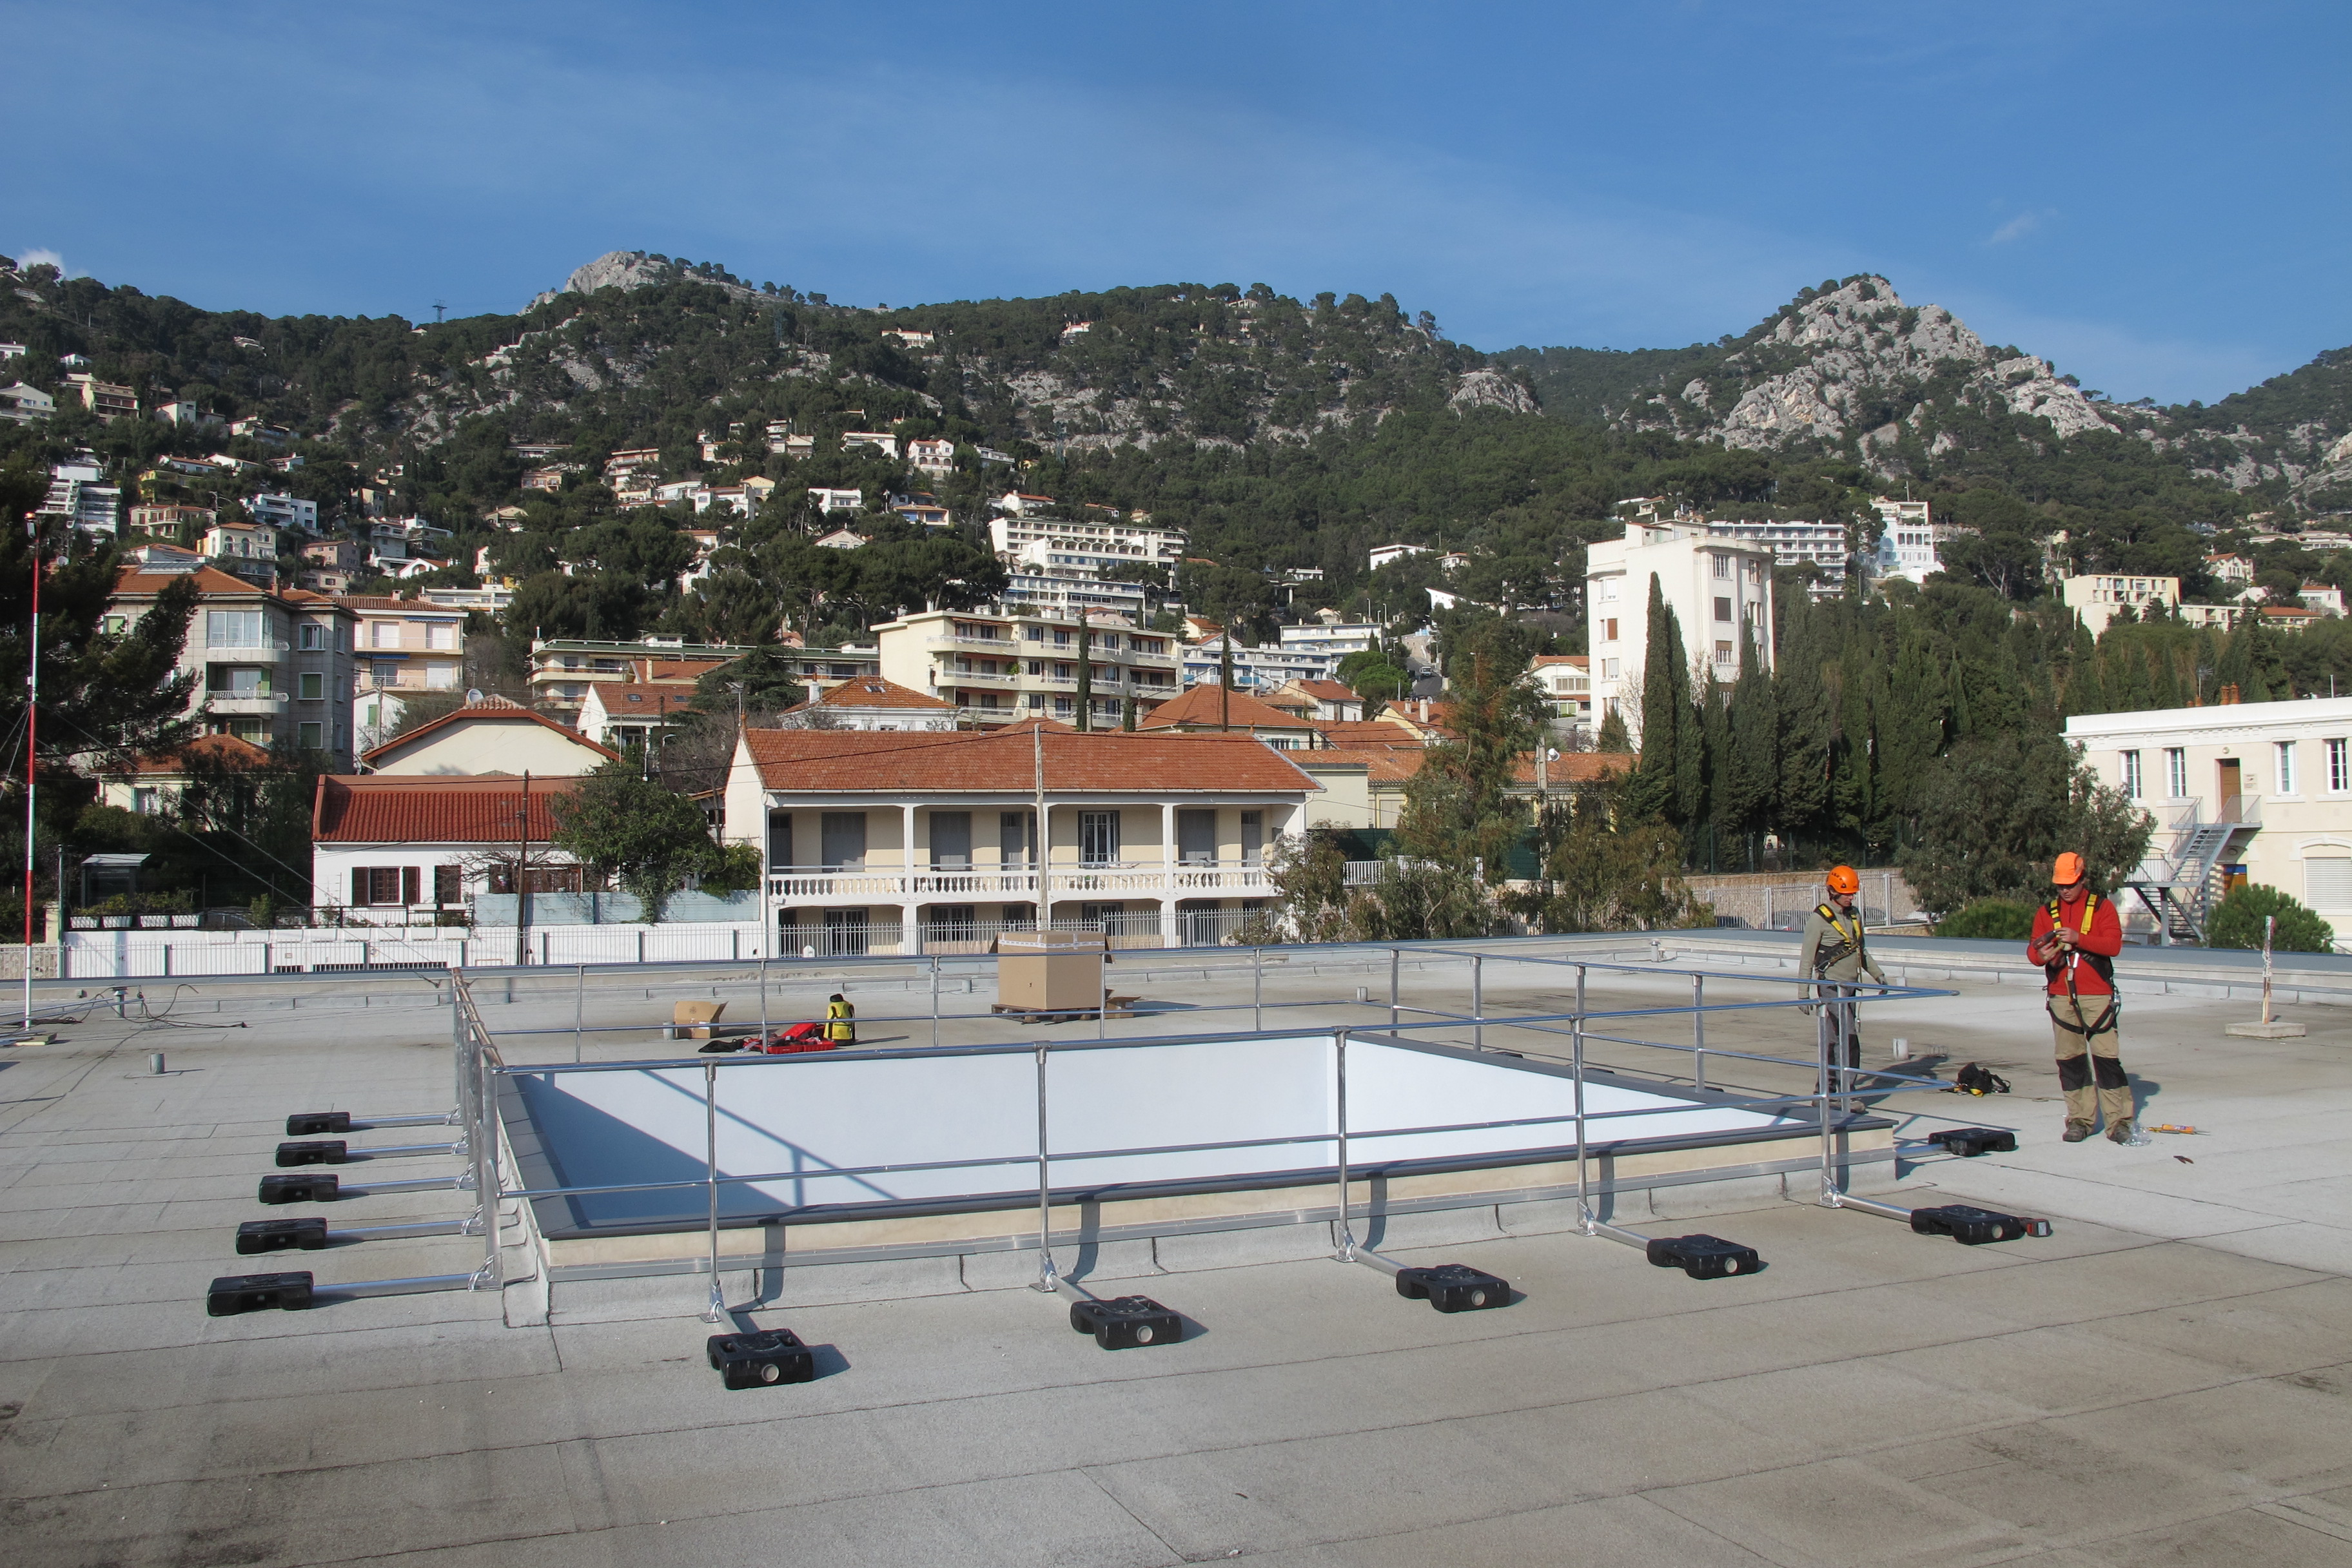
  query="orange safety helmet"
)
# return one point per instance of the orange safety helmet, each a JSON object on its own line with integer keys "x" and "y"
{"x": 1845, "y": 879}
{"x": 2068, "y": 870}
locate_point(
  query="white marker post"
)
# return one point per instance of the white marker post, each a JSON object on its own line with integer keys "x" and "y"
{"x": 2269, "y": 1028}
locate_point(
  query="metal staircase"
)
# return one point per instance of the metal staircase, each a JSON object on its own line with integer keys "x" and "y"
{"x": 2177, "y": 890}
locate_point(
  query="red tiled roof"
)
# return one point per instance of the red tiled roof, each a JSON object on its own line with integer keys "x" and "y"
{"x": 373, "y": 809}
{"x": 1000, "y": 761}
{"x": 1570, "y": 767}
{"x": 1209, "y": 705}
{"x": 1381, "y": 764}
{"x": 1582, "y": 661}
{"x": 208, "y": 580}
{"x": 226, "y": 750}
{"x": 491, "y": 710}
{"x": 1325, "y": 690}
{"x": 1369, "y": 732}
{"x": 873, "y": 691}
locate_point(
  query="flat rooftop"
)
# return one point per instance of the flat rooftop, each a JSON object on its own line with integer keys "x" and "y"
{"x": 2165, "y": 1379}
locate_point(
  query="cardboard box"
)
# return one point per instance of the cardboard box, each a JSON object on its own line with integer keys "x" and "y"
{"x": 692, "y": 1020}
{"x": 1051, "y": 971}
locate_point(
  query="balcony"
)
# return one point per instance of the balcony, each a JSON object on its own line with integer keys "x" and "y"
{"x": 795, "y": 886}
{"x": 255, "y": 653}
{"x": 232, "y": 703}
{"x": 1005, "y": 647}
{"x": 1000, "y": 682}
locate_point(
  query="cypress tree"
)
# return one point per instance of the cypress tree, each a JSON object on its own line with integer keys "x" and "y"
{"x": 1653, "y": 793}
{"x": 1801, "y": 706}
{"x": 1753, "y": 767}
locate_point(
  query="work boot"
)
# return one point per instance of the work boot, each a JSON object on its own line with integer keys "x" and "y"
{"x": 2077, "y": 1130}
{"x": 2118, "y": 1131}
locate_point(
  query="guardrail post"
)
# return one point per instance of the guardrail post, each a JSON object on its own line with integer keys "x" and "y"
{"x": 1395, "y": 956}
{"x": 715, "y": 1310}
{"x": 1585, "y": 1216}
{"x": 1822, "y": 1032}
{"x": 1478, "y": 1000}
{"x": 1047, "y": 1280}
{"x": 763, "y": 998}
{"x": 1698, "y": 1030}
{"x": 935, "y": 1000}
{"x": 1257, "y": 988}
{"x": 579, "y": 1000}
{"x": 1339, "y": 1064}
{"x": 484, "y": 1141}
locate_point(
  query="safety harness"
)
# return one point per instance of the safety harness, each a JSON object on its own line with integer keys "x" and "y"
{"x": 2101, "y": 965}
{"x": 1848, "y": 944}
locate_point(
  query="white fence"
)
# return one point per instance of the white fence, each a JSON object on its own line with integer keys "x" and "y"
{"x": 157, "y": 954}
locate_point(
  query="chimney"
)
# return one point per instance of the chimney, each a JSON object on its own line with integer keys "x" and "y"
{"x": 1425, "y": 710}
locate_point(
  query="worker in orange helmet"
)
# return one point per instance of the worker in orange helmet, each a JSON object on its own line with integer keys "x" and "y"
{"x": 2075, "y": 939}
{"x": 1832, "y": 950}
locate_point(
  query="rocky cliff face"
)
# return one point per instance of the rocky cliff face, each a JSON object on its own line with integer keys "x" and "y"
{"x": 636, "y": 269}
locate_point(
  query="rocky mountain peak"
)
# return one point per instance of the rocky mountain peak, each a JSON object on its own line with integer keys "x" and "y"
{"x": 638, "y": 270}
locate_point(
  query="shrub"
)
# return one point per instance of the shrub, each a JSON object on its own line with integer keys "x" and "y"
{"x": 1993, "y": 918}
{"x": 2239, "y": 922}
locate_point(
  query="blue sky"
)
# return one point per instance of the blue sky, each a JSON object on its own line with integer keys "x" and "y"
{"x": 2151, "y": 195}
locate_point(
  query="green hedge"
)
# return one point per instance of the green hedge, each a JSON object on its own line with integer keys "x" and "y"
{"x": 1992, "y": 919}
{"x": 2239, "y": 922}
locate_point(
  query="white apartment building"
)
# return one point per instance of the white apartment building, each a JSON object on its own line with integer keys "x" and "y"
{"x": 930, "y": 456}
{"x": 1907, "y": 541}
{"x": 288, "y": 513}
{"x": 1059, "y": 545}
{"x": 26, "y": 403}
{"x": 1254, "y": 668}
{"x": 830, "y": 499}
{"x": 1566, "y": 681}
{"x": 271, "y": 666}
{"x": 1034, "y": 592}
{"x": 1820, "y": 545}
{"x": 2262, "y": 790}
{"x": 1334, "y": 639}
{"x": 999, "y": 668}
{"x": 927, "y": 842}
{"x": 239, "y": 541}
{"x": 1381, "y": 555}
{"x": 2097, "y": 598}
{"x": 1719, "y": 589}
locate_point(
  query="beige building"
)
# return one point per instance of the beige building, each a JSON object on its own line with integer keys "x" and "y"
{"x": 2257, "y": 790}
{"x": 1566, "y": 681}
{"x": 270, "y": 665}
{"x": 494, "y": 736}
{"x": 997, "y": 669}
{"x": 402, "y": 647}
{"x": 928, "y": 842}
{"x": 2097, "y": 598}
{"x": 1719, "y": 588}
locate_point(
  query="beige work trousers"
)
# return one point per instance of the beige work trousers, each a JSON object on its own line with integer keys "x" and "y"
{"x": 2090, "y": 1069}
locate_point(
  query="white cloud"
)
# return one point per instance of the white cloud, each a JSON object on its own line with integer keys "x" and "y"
{"x": 40, "y": 256}
{"x": 2017, "y": 227}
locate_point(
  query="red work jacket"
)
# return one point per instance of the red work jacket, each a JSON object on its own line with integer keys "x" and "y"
{"x": 2102, "y": 935}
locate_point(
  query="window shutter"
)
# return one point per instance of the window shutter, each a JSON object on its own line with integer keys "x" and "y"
{"x": 412, "y": 890}
{"x": 2327, "y": 883}
{"x": 448, "y": 886}
{"x": 359, "y": 885}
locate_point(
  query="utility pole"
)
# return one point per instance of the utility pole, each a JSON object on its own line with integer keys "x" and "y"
{"x": 1225, "y": 681}
{"x": 32, "y": 726}
{"x": 1037, "y": 839}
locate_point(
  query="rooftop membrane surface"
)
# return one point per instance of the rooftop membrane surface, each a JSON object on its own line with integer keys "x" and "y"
{"x": 2166, "y": 1380}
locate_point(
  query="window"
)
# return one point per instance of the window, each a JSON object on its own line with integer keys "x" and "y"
{"x": 441, "y": 677}
{"x": 1196, "y": 838}
{"x": 311, "y": 737}
{"x": 1608, "y": 629}
{"x": 443, "y": 637}
{"x": 1033, "y": 634}
{"x": 1037, "y": 699}
{"x": 779, "y": 839}
{"x": 386, "y": 884}
{"x": 312, "y": 686}
{"x": 2130, "y": 770}
{"x": 235, "y": 680}
{"x": 1013, "y": 837}
{"x": 2340, "y": 768}
{"x": 1097, "y": 838}
{"x": 1723, "y": 654}
{"x": 314, "y": 636}
{"x": 233, "y": 628}
{"x": 951, "y": 840}
{"x": 384, "y": 633}
{"x": 1722, "y": 565}
{"x": 1722, "y": 609}
{"x": 1608, "y": 669}
{"x": 145, "y": 802}
{"x": 2327, "y": 883}
{"x": 2286, "y": 767}
{"x": 1253, "y": 837}
{"x": 1608, "y": 590}
{"x": 115, "y": 626}
{"x": 448, "y": 884}
{"x": 842, "y": 835}
{"x": 1063, "y": 707}
{"x": 2176, "y": 772}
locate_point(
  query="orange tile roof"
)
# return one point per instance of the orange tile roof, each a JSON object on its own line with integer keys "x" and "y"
{"x": 226, "y": 750}
{"x": 1582, "y": 661}
{"x": 1381, "y": 764}
{"x": 1325, "y": 690}
{"x": 873, "y": 691}
{"x": 208, "y": 580}
{"x": 1570, "y": 767}
{"x": 1209, "y": 705}
{"x": 489, "y": 709}
{"x": 833, "y": 762}
{"x": 1362, "y": 733}
{"x": 370, "y": 808}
